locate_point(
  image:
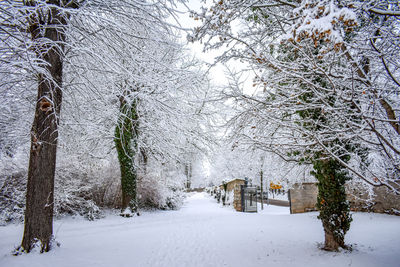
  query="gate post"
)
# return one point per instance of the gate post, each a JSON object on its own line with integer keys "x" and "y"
{"x": 242, "y": 197}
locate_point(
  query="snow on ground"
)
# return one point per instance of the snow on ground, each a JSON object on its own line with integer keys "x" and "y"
{"x": 203, "y": 233}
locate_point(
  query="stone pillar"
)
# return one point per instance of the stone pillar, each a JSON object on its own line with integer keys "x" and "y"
{"x": 237, "y": 199}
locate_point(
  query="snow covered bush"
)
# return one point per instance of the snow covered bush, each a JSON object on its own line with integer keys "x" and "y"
{"x": 74, "y": 197}
{"x": 79, "y": 190}
{"x": 158, "y": 197}
{"x": 12, "y": 185}
{"x": 12, "y": 197}
{"x": 87, "y": 187}
{"x": 161, "y": 191}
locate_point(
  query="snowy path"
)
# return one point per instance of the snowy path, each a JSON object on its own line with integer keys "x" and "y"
{"x": 203, "y": 233}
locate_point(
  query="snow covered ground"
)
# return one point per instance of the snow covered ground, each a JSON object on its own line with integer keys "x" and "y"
{"x": 203, "y": 233}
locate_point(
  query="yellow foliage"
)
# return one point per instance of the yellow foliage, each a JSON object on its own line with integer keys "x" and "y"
{"x": 275, "y": 186}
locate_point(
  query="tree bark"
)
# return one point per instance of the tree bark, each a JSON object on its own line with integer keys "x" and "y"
{"x": 331, "y": 202}
{"x": 44, "y": 132}
{"x": 126, "y": 133}
{"x": 331, "y": 243}
{"x": 126, "y": 200}
{"x": 188, "y": 173}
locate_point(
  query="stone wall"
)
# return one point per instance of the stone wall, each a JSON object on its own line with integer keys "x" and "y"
{"x": 232, "y": 184}
{"x": 303, "y": 197}
{"x": 380, "y": 200}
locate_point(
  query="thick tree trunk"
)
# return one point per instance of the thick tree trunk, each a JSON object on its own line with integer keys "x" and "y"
{"x": 126, "y": 200}
{"x": 128, "y": 174}
{"x": 126, "y": 133}
{"x": 331, "y": 243}
{"x": 44, "y": 134}
{"x": 332, "y": 204}
{"x": 128, "y": 184}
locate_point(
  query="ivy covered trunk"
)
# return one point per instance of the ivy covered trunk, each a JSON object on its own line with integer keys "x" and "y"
{"x": 38, "y": 226}
{"x": 332, "y": 203}
{"x": 126, "y": 133}
{"x": 225, "y": 185}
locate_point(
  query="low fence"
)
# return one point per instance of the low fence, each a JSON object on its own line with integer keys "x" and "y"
{"x": 199, "y": 189}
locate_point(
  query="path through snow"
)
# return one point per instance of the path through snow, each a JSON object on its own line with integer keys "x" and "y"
{"x": 203, "y": 233}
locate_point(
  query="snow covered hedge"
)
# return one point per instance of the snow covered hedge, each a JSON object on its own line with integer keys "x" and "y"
{"x": 85, "y": 188}
{"x": 71, "y": 198}
{"x": 157, "y": 191}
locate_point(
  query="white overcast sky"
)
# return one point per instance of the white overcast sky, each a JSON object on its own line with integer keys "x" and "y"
{"x": 217, "y": 72}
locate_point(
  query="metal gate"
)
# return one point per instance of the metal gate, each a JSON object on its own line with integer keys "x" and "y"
{"x": 249, "y": 199}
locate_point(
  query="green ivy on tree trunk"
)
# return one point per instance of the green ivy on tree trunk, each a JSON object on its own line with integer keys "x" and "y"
{"x": 125, "y": 139}
{"x": 332, "y": 204}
